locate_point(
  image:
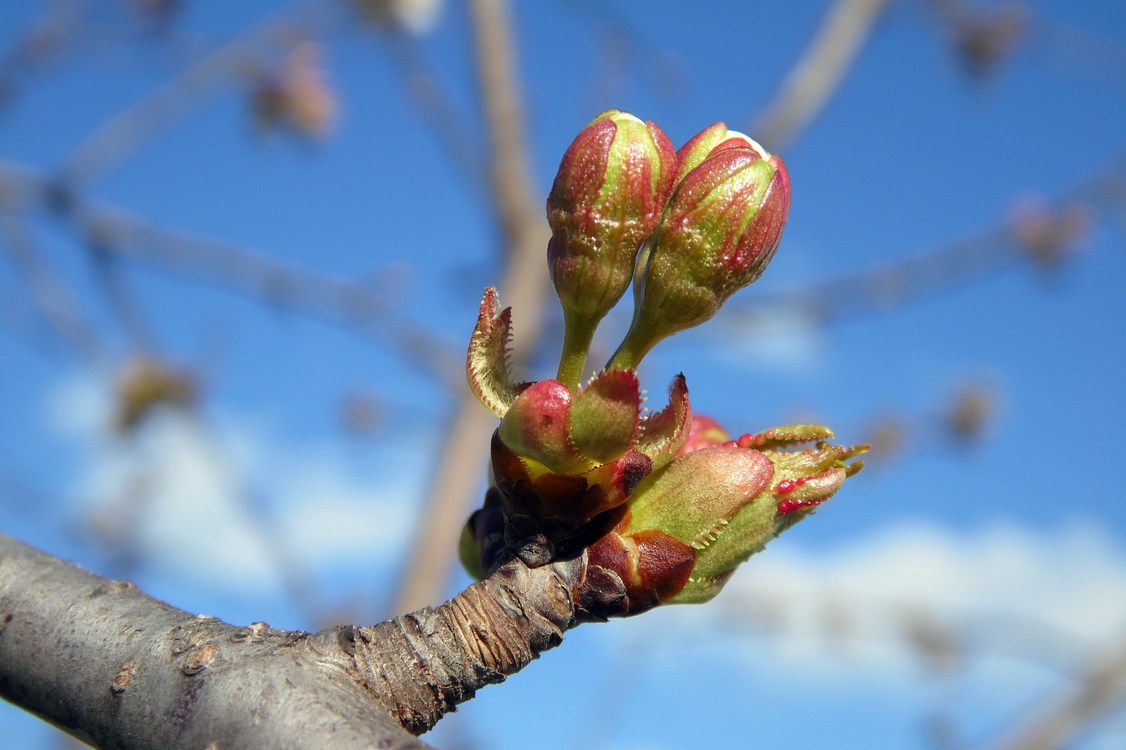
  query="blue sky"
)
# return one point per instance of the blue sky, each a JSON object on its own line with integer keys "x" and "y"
{"x": 1015, "y": 542}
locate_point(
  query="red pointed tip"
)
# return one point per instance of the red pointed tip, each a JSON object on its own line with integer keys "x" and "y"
{"x": 787, "y": 506}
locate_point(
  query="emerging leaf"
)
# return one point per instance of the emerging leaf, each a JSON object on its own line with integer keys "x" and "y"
{"x": 487, "y": 362}
{"x": 664, "y": 433}
{"x": 778, "y": 437}
{"x": 605, "y": 416}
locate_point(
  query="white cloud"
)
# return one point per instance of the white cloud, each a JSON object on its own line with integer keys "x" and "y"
{"x": 1010, "y": 603}
{"x": 985, "y": 626}
{"x": 335, "y": 519}
{"x": 78, "y": 407}
{"x": 787, "y": 339}
{"x": 218, "y": 503}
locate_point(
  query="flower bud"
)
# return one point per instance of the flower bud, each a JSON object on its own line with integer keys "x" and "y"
{"x": 560, "y": 458}
{"x": 658, "y": 551}
{"x": 606, "y": 199}
{"x": 704, "y": 432}
{"x": 568, "y": 433}
{"x": 696, "y": 496}
{"x": 726, "y": 502}
{"x": 799, "y": 482}
{"x": 719, "y": 231}
{"x": 708, "y": 141}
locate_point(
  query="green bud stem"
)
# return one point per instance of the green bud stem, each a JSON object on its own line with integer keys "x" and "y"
{"x": 632, "y": 350}
{"x": 578, "y": 332}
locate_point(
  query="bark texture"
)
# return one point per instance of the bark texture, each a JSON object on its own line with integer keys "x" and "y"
{"x": 491, "y": 630}
{"x": 118, "y": 669}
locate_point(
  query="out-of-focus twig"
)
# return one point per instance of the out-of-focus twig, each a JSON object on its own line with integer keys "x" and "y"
{"x": 524, "y": 237}
{"x": 437, "y": 107}
{"x": 124, "y": 236}
{"x": 121, "y": 301}
{"x": 1098, "y": 55}
{"x": 511, "y": 178}
{"x": 54, "y": 300}
{"x": 628, "y": 53}
{"x": 133, "y": 127}
{"x": 963, "y": 422}
{"x": 983, "y": 39}
{"x": 1100, "y": 688}
{"x": 808, "y": 86}
{"x": 1044, "y": 238}
{"x": 279, "y": 283}
{"x": 52, "y": 35}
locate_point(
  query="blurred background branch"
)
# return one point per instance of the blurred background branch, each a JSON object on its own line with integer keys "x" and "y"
{"x": 809, "y": 85}
{"x": 523, "y": 241}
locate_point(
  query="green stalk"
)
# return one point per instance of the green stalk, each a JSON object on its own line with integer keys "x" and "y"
{"x": 631, "y": 351}
{"x": 577, "y": 335}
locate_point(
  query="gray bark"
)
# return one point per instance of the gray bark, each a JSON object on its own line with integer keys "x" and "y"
{"x": 118, "y": 669}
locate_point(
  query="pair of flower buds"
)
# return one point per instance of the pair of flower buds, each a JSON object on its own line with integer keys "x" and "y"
{"x": 691, "y": 227}
{"x": 641, "y": 508}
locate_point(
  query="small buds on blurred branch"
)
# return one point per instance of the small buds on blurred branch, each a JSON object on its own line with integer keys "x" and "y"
{"x": 1050, "y": 235}
{"x": 985, "y": 39}
{"x": 297, "y": 95}
{"x": 144, "y": 385}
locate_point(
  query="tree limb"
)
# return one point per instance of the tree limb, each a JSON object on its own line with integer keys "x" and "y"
{"x": 116, "y": 668}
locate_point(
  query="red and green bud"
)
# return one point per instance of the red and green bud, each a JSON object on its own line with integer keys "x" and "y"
{"x": 722, "y": 502}
{"x": 607, "y": 198}
{"x": 719, "y": 230}
{"x": 641, "y": 509}
{"x": 560, "y": 458}
{"x": 708, "y": 141}
{"x": 569, "y": 433}
{"x": 799, "y": 482}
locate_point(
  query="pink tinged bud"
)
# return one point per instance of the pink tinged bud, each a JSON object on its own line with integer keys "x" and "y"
{"x": 572, "y": 433}
{"x": 487, "y": 361}
{"x": 716, "y": 501}
{"x": 719, "y": 231}
{"x": 705, "y": 432}
{"x": 606, "y": 200}
{"x": 537, "y": 426}
{"x": 560, "y": 459}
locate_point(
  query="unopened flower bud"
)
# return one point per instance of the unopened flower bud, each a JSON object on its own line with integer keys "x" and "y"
{"x": 719, "y": 231}
{"x": 708, "y": 141}
{"x": 728, "y": 501}
{"x": 704, "y": 432}
{"x": 607, "y": 198}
